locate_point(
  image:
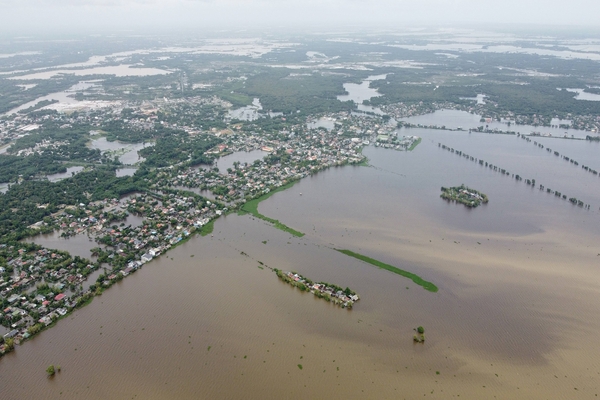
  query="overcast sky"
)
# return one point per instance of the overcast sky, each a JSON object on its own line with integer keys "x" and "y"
{"x": 18, "y": 16}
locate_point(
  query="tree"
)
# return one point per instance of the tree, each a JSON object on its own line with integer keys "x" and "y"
{"x": 50, "y": 370}
{"x": 9, "y": 344}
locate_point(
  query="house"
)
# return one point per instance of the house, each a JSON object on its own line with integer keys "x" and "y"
{"x": 11, "y": 334}
{"x": 154, "y": 252}
{"x": 147, "y": 257}
{"x": 13, "y": 298}
{"x": 59, "y": 297}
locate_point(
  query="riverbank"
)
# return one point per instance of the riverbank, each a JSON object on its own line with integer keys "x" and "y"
{"x": 251, "y": 207}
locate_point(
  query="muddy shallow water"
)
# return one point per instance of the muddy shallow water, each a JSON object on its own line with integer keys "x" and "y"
{"x": 515, "y": 315}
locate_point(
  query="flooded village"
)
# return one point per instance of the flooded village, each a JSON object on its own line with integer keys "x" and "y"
{"x": 40, "y": 285}
{"x": 165, "y": 236}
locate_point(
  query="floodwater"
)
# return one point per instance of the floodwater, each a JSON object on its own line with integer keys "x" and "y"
{"x": 60, "y": 176}
{"x": 361, "y": 92}
{"x": 504, "y": 49}
{"x": 248, "y": 113}
{"x": 125, "y": 172}
{"x": 65, "y": 98}
{"x": 582, "y": 95}
{"x": 515, "y": 315}
{"x": 242, "y": 157}
{"x": 129, "y": 151}
{"x": 480, "y": 98}
{"x": 117, "y": 70}
{"x": 79, "y": 245}
{"x": 204, "y": 193}
{"x": 453, "y": 119}
{"x": 327, "y": 123}
{"x": 252, "y": 112}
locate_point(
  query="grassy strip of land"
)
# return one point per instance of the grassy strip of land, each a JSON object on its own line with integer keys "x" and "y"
{"x": 414, "y": 144}
{"x": 208, "y": 228}
{"x": 415, "y": 278}
{"x": 251, "y": 207}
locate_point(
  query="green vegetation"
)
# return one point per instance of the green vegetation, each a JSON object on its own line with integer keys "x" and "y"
{"x": 312, "y": 93}
{"x": 19, "y": 207}
{"x": 415, "y": 278}
{"x": 45, "y": 151}
{"x": 37, "y": 106}
{"x": 251, "y": 207}
{"x": 179, "y": 147}
{"x": 208, "y": 228}
{"x": 14, "y": 96}
{"x": 51, "y": 370}
{"x": 344, "y": 298}
{"x": 535, "y": 96}
{"x": 414, "y": 144}
{"x": 464, "y": 195}
{"x": 420, "y": 336}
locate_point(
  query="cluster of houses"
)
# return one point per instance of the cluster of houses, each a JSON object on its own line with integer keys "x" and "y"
{"x": 293, "y": 159}
{"x": 37, "y": 286}
{"x": 91, "y": 218}
{"x": 345, "y": 298}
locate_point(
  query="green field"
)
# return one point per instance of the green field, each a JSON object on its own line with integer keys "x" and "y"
{"x": 415, "y": 144}
{"x": 415, "y": 278}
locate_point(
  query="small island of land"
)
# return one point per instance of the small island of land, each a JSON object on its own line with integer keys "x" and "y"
{"x": 344, "y": 298}
{"x": 464, "y": 195}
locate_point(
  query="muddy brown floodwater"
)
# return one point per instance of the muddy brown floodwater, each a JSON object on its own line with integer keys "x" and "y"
{"x": 515, "y": 315}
